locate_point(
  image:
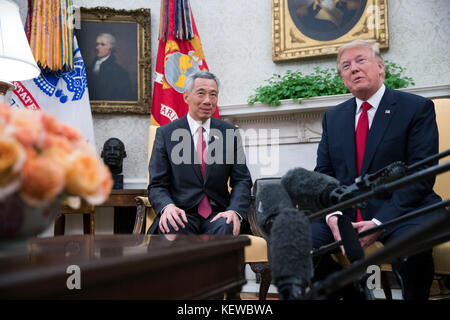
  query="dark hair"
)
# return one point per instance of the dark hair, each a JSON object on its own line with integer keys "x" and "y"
{"x": 189, "y": 82}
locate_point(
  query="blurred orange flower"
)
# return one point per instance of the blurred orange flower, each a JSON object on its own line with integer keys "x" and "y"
{"x": 12, "y": 159}
{"x": 42, "y": 180}
{"x": 42, "y": 158}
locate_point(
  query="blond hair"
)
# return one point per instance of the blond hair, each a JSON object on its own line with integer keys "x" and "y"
{"x": 369, "y": 44}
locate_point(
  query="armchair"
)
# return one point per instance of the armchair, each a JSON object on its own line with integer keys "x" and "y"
{"x": 441, "y": 253}
{"x": 255, "y": 253}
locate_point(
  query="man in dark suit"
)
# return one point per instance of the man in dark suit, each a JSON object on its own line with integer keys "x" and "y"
{"x": 107, "y": 80}
{"x": 189, "y": 177}
{"x": 366, "y": 133}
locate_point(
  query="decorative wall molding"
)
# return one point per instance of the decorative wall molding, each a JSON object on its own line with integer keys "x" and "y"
{"x": 135, "y": 183}
{"x": 296, "y": 123}
{"x": 259, "y": 110}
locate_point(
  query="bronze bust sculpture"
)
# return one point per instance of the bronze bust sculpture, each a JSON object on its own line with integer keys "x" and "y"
{"x": 113, "y": 153}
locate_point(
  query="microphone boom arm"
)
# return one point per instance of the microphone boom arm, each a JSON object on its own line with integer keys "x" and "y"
{"x": 438, "y": 226}
{"x": 414, "y": 214}
{"x": 383, "y": 190}
{"x": 392, "y": 172}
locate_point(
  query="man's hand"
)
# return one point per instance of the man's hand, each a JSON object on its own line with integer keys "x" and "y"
{"x": 231, "y": 216}
{"x": 333, "y": 224}
{"x": 174, "y": 215}
{"x": 363, "y": 226}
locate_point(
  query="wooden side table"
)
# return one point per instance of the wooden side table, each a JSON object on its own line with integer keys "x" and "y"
{"x": 88, "y": 212}
{"x": 123, "y": 197}
{"x": 117, "y": 198}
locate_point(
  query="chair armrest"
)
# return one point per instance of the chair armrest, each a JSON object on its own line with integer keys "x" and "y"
{"x": 273, "y": 181}
{"x": 252, "y": 218}
{"x": 143, "y": 201}
{"x": 142, "y": 204}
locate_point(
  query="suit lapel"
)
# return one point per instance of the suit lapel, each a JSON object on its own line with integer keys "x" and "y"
{"x": 348, "y": 132}
{"x": 381, "y": 121}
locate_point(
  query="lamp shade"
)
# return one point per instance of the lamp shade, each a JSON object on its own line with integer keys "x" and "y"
{"x": 16, "y": 60}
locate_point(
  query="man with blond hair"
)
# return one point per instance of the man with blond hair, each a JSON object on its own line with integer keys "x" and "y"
{"x": 375, "y": 128}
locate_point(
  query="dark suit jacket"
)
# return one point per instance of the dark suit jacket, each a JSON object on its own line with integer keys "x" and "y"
{"x": 403, "y": 129}
{"x": 112, "y": 82}
{"x": 181, "y": 182}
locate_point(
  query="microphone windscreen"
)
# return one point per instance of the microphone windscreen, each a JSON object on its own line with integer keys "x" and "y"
{"x": 309, "y": 189}
{"x": 290, "y": 247}
{"x": 349, "y": 238}
{"x": 271, "y": 197}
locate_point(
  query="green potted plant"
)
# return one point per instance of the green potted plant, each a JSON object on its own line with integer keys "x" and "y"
{"x": 296, "y": 86}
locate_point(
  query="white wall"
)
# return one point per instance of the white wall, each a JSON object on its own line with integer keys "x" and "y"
{"x": 236, "y": 37}
{"x": 237, "y": 41}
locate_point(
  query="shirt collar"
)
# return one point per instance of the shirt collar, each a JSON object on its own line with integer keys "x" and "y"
{"x": 194, "y": 124}
{"x": 102, "y": 59}
{"x": 373, "y": 100}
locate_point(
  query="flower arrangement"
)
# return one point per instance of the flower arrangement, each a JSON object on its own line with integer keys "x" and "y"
{"x": 42, "y": 158}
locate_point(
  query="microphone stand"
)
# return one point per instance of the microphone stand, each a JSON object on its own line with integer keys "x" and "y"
{"x": 383, "y": 190}
{"x": 414, "y": 214}
{"x": 425, "y": 161}
{"x": 391, "y": 172}
{"x": 379, "y": 188}
{"x": 430, "y": 235}
{"x": 377, "y": 182}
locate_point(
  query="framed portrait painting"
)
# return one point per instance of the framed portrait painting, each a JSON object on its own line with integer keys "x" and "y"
{"x": 312, "y": 28}
{"x": 115, "y": 45}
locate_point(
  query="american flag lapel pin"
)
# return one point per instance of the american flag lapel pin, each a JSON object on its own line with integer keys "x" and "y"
{"x": 213, "y": 138}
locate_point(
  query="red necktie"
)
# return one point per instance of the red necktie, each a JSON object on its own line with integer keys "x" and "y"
{"x": 362, "y": 129}
{"x": 204, "y": 208}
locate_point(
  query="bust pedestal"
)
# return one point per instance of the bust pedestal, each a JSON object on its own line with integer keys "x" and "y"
{"x": 118, "y": 181}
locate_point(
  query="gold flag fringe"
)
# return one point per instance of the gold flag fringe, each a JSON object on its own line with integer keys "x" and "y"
{"x": 176, "y": 17}
{"x": 51, "y": 38}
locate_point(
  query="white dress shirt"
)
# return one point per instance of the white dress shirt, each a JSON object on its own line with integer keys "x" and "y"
{"x": 98, "y": 63}
{"x": 374, "y": 101}
{"x": 194, "y": 125}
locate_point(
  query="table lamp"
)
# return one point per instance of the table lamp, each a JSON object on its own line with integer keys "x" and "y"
{"x": 16, "y": 59}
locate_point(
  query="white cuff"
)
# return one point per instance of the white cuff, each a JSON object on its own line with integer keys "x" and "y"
{"x": 332, "y": 214}
{"x": 240, "y": 217}
{"x": 377, "y": 222}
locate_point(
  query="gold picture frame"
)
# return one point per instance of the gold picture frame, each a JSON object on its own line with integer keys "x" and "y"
{"x": 121, "y": 83}
{"x": 303, "y": 29}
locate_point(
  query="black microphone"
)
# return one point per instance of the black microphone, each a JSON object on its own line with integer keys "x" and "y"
{"x": 391, "y": 172}
{"x": 271, "y": 197}
{"x": 310, "y": 190}
{"x": 290, "y": 247}
{"x": 349, "y": 236}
